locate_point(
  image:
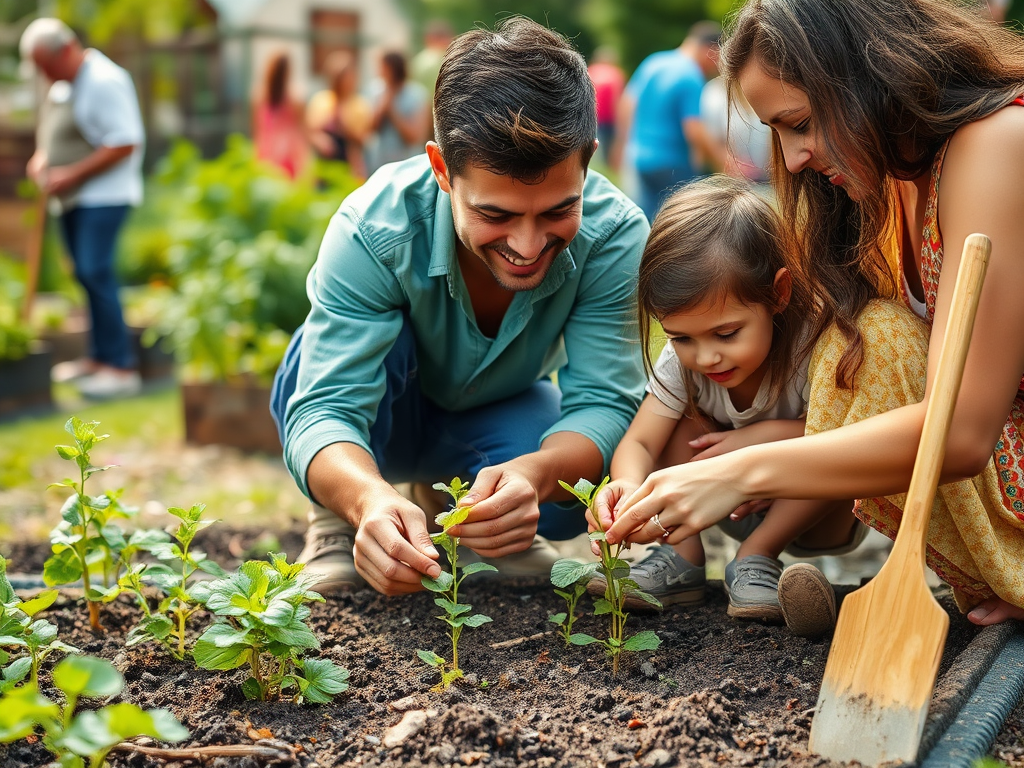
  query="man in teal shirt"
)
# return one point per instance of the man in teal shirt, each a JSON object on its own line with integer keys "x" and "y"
{"x": 447, "y": 290}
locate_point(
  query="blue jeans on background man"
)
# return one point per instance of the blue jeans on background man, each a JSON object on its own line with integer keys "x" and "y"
{"x": 413, "y": 440}
{"x": 90, "y": 235}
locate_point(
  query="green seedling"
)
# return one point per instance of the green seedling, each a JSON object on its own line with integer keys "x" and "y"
{"x": 571, "y": 592}
{"x": 25, "y": 643}
{"x": 456, "y": 615}
{"x": 619, "y": 585}
{"x": 87, "y": 544}
{"x": 263, "y": 609}
{"x": 173, "y": 576}
{"x": 84, "y": 739}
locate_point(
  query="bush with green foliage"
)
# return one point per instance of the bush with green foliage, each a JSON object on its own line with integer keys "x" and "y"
{"x": 82, "y": 739}
{"x": 263, "y": 624}
{"x": 233, "y": 240}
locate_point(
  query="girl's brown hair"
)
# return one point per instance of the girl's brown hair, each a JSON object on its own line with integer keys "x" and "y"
{"x": 275, "y": 82}
{"x": 888, "y": 82}
{"x": 714, "y": 239}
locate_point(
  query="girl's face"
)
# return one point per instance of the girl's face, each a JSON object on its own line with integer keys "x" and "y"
{"x": 786, "y": 109}
{"x": 725, "y": 340}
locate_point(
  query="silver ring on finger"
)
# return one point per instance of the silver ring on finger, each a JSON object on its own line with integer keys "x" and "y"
{"x": 664, "y": 531}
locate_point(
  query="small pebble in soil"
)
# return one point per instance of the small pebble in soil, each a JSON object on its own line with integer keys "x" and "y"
{"x": 622, "y": 714}
{"x": 373, "y": 741}
{"x": 649, "y": 670}
{"x": 602, "y": 701}
{"x": 657, "y": 758}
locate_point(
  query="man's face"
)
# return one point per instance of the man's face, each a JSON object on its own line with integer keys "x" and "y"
{"x": 55, "y": 65}
{"x": 513, "y": 228}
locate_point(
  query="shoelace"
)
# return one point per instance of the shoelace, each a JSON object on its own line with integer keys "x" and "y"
{"x": 755, "y": 574}
{"x": 658, "y": 561}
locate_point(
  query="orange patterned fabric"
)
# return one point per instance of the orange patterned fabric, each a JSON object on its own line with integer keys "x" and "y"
{"x": 976, "y": 534}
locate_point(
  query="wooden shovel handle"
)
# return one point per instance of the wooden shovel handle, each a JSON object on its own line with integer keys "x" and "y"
{"x": 945, "y": 388}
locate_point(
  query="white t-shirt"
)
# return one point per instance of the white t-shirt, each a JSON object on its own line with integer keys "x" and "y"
{"x": 713, "y": 399}
{"x": 107, "y": 114}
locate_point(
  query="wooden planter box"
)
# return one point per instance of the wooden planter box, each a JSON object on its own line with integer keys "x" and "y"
{"x": 25, "y": 383}
{"x": 237, "y": 415}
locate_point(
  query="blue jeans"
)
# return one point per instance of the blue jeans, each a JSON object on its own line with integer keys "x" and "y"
{"x": 414, "y": 440}
{"x": 654, "y": 186}
{"x": 90, "y": 235}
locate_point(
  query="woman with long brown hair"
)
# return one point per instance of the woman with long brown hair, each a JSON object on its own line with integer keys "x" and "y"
{"x": 277, "y": 122}
{"x": 872, "y": 104}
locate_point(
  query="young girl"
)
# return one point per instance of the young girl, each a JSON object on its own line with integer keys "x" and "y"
{"x": 714, "y": 274}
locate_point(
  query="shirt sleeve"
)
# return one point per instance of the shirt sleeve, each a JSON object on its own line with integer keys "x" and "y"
{"x": 602, "y": 380}
{"x": 108, "y": 114}
{"x": 356, "y": 317}
{"x": 667, "y": 383}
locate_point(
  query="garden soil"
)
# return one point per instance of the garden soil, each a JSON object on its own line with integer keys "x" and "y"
{"x": 717, "y": 692}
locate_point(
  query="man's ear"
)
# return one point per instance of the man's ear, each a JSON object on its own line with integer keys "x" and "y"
{"x": 438, "y": 166}
{"x": 783, "y": 289}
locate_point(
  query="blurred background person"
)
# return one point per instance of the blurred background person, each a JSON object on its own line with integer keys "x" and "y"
{"x": 338, "y": 117}
{"x": 659, "y": 117}
{"x": 743, "y": 140}
{"x": 277, "y": 130}
{"x": 88, "y": 159}
{"x": 609, "y": 82}
{"x": 426, "y": 64}
{"x": 400, "y": 113}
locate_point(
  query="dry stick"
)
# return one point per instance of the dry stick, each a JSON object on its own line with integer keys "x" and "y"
{"x": 519, "y": 640}
{"x": 201, "y": 753}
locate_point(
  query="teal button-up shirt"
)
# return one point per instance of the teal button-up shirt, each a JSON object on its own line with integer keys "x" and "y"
{"x": 389, "y": 254}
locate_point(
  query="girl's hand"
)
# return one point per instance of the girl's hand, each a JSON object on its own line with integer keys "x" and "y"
{"x": 687, "y": 499}
{"x": 719, "y": 443}
{"x": 608, "y": 503}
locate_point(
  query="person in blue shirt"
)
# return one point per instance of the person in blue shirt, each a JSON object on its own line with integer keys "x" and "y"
{"x": 448, "y": 290}
{"x": 667, "y": 144}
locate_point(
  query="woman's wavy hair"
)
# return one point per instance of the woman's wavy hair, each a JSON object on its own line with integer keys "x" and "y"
{"x": 712, "y": 240}
{"x": 888, "y": 82}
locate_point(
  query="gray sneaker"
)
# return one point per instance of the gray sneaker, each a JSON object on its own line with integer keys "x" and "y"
{"x": 753, "y": 588}
{"x": 808, "y": 601}
{"x": 328, "y": 555}
{"x": 663, "y": 574}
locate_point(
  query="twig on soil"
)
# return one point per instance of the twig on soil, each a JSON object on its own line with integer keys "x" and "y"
{"x": 518, "y": 640}
{"x": 202, "y": 753}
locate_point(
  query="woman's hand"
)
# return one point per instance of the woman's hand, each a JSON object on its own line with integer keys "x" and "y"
{"x": 609, "y": 501}
{"x": 687, "y": 499}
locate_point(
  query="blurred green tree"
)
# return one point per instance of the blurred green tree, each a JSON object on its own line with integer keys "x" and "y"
{"x": 101, "y": 20}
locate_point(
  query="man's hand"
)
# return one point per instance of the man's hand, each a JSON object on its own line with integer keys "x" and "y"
{"x": 506, "y": 510}
{"x": 61, "y": 179}
{"x": 35, "y": 169}
{"x": 609, "y": 502}
{"x": 393, "y": 548}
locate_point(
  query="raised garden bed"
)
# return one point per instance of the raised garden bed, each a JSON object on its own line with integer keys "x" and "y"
{"x": 236, "y": 415}
{"x": 25, "y": 383}
{"x": 717, "y": 691}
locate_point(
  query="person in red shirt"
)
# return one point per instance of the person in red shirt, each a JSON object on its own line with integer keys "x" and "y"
{"x": 609, "y": 81}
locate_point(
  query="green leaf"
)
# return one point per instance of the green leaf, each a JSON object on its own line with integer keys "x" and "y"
{"x": 558, "y": 618}
{"x": 598, "y": 536}
{"x": 614, "y": 642}
{"x": 40, "y": 602}
{"x": 453, "y": 517}
{"x": 647, "y": 598}
{"x": 478, "y": 567}
{"x": 14, "y": 673}
{"x": 452, "y": 609}
{"x": 296, "y": 635}
{"x": 7, "y": 594}
{"x": 72, "y": 510}
{"x": 87, "y": 676}
{"x": 21, "y": 709}
{"x": 476, "y": 620}
{"x": 579, "y": 638}
{"x": 441, "y": 584}
{"x": 126, "y": 721}
{"x": 642, "y": 641}
{"x": 67, "y": 452}
{"x": 431, "y": 658}
{"x": 62, "y": 568}
{"x": 566, "y": 572}
{"x": 602, "y": 606}
{"x": 252, "y": 690}
{"x": 326, "y": 680}
{"x": 619, "y": 568}
{"x": 40, "y": 632}
{"x": 212, "y": 568}
{"x": 222, "y": 646}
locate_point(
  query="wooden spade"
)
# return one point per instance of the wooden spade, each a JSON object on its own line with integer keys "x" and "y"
{"x": 34, "y": 256}
{"x": 889, "y": 638}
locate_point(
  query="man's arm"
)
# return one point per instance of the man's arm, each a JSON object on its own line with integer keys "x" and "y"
{"x": 64, "y": 178}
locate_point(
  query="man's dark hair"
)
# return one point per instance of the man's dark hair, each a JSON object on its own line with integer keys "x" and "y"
{"x": 516, "y": 101}
{"x": 396, "y": 65}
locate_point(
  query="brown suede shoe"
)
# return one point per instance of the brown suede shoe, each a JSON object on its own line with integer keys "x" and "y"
{"x": 808, "y": 601}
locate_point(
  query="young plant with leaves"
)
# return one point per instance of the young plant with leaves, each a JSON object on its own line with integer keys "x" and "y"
{"x": 264, "y": 611}
{"x": 84, "y": 739}
{"x": 619, "y": 585}
{"x": 172, "y": 576}
{"x": 456, "y": 615}
{"x": 562, "y": 574}
{"x": 87, "y": 543}
{"x": 25, "y": 643}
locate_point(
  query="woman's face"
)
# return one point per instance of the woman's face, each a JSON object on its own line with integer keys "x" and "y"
{"x": 786, "y": 109}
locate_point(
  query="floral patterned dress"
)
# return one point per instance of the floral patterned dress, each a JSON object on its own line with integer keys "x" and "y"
{"x": 976, "y": 534}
